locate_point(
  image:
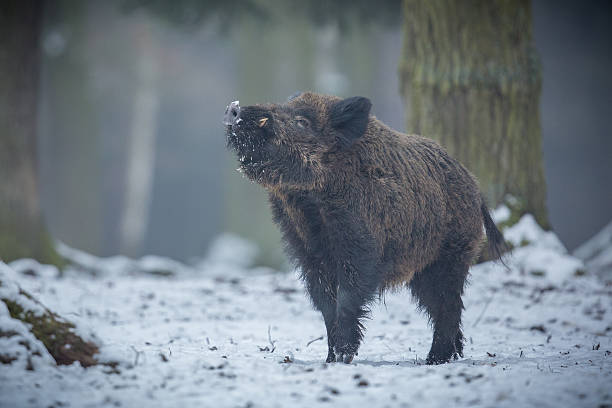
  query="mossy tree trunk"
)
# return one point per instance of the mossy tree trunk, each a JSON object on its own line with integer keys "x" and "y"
{"x": 471, "y": 77}
{"x": 22, "y": 230}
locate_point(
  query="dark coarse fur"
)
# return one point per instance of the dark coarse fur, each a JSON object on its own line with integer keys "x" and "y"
{"x": 364, "y": 208}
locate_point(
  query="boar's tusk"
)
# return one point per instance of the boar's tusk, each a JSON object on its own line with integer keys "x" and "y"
{"x": 262, "y": 122}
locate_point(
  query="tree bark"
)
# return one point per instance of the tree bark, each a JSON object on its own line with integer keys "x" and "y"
{"x": 471, "y": 77}
{"x": 22, "y": 230}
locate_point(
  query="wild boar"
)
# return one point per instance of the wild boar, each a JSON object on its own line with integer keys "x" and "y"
{"x": 364, "y": 208}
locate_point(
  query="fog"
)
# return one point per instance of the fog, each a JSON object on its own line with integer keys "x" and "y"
{"x": 132, "y": 155}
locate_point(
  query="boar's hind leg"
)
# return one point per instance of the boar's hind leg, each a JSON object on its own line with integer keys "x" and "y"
{"x": 438, "y": 289}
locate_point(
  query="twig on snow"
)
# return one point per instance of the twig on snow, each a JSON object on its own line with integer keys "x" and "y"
{"x": 271, "y": 341}
{"x": 484, "y": 309}
{"x": 138, "y": 353}
{"x": 313, "y": 340}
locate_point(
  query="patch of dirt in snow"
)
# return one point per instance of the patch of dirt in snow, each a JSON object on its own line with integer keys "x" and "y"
{"x": 254, "y": 340}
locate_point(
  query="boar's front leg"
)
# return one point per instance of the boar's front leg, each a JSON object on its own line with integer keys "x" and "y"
{"x": 356, "y": 289}
{"x": 322, "y": 288}
{"x": 352, "y": 253}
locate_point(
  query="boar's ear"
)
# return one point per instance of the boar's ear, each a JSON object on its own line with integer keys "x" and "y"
{"x": 350, "y": 118}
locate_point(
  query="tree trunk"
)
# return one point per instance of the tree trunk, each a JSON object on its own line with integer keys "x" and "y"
{"x": 22, "y": 230}
{"x": 141, "y": 150}
{"x": 70, "y": 154}
{"x": 471, "y": 77}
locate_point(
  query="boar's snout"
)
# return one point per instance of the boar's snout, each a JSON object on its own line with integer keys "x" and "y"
{"x": 232, "y": 113}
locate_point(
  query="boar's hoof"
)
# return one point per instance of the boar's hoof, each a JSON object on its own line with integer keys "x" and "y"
{"x": 435, "y": 360}
{"x": 443, "y": 350}
{"x": 344, "y": 358}
{"x": 331, "y": 357}
{"x": 344, "y": 354}
{"x": 441, "y": 358}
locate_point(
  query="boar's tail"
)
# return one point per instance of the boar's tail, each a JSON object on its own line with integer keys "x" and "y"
{"x": 495, "y": 239}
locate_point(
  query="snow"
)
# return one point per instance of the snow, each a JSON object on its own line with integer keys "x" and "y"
{"x": 122, "y": 265}
{"x": 540, "y": 253}
{"x": 222, "y": 334}
{"x": 9, "y": 290}
{"x": 597, "y": 253}
{"x": 500, "y": 214}
{"x": 527, "y": 230}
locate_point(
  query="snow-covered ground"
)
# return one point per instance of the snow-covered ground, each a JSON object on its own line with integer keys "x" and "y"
{"x": 223, "y": 335}
{"x": 596, "y": 253}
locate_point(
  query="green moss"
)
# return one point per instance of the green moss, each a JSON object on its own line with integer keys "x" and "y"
{"x": 49, "y": 254}
{"x": 17, "y": 243}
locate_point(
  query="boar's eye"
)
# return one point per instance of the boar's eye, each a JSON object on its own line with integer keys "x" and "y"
{"x": 302, "y": 122}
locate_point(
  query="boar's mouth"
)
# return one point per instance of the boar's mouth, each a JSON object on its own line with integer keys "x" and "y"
{"x": 247, "y": 131}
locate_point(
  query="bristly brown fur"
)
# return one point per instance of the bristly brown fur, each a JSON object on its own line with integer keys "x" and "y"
{"x": 364, "y": 208}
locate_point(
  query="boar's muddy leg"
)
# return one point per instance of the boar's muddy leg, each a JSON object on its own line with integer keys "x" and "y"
{"x": 438, "y": 289}
{"x": 322, "y": 288}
